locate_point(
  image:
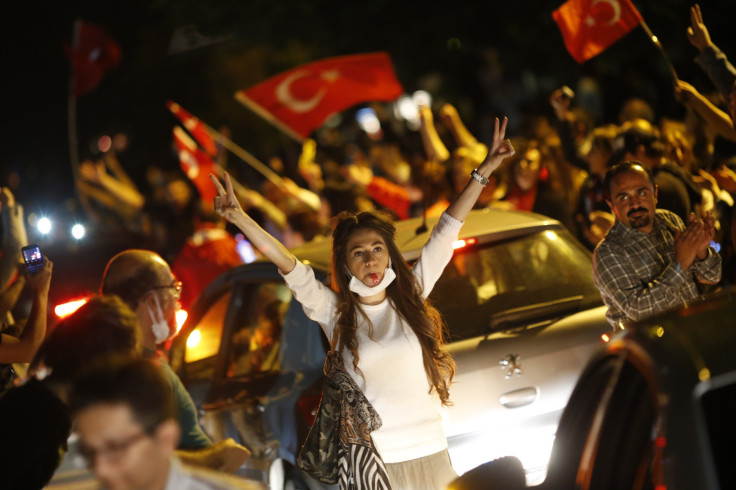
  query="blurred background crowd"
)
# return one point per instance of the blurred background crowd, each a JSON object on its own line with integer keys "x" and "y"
{"x": 466, "y": 64}
{"x": 461, "y": 66}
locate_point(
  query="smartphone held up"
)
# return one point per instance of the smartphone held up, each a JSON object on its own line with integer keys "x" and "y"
{"x": 33, "y": 258}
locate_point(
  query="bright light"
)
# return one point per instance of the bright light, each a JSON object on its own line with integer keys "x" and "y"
{"x": 193, "y": 339}
{"x": 463, "y": 243}
{"x": 406, "y": 108}
{"x": 44, "y": 225}
{"x": 605, "y": 337}
{"x": 368, "y": 120}
{"x": 422, "y": 97}
{"x": 551, "y": 235}
{"x": 181, "y": 317}
{"x": 78, "y": 231}
{"x": 532, "y": 447}
{"x": 245, "y": 249}
{"x": 67, "y": 309}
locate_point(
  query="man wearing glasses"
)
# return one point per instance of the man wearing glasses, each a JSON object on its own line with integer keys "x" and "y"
{"x": 144, "y": 281}
{"x": 125, "y": 415}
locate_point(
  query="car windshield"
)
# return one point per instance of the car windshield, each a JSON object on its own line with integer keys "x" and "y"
{"x": 518, "y": 282}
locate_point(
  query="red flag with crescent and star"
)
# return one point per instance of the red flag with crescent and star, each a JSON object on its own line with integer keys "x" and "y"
{"x": 590, "y": 26}
{"x": 300, "y": 100}
{"x": 92, "y": 54}
{"x": 196, "y": 164}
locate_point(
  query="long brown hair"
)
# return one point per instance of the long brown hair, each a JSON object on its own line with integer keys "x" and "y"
{"x": 405, "y": 296}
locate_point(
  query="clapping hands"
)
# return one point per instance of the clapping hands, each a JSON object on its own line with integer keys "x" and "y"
{"x": 693, "y": 242}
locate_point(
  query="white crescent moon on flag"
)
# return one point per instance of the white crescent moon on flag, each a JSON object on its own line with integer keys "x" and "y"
{"x": 283, "y": 94}
{"x": 616, "y": 10}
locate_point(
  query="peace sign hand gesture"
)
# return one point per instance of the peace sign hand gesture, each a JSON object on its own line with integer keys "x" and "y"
{"x": 226, "y": 204}
{"x": 501, "y": 147}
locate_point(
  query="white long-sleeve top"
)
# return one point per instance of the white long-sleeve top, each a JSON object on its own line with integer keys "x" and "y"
{"x": 394, "y": 380}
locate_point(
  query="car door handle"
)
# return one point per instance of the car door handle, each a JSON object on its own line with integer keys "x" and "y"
{"x": 519, "y": 398}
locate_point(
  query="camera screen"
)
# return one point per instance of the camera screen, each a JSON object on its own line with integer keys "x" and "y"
{"x": 32, "y": 255}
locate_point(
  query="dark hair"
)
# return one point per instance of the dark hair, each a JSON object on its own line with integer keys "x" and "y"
{"x": 603, "y": 138}
{"x": 635, "y": 135}
{"x": 131, "y": 275}
{"x": 404, "y": 294}
{"x": 621, "y": 168}
{"x": 101, "y": 327}
{"x": 636, "y": 108}
{"x": 138, "y": 384}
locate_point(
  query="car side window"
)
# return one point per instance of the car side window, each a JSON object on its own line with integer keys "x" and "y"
{"x": 256, "y": 340}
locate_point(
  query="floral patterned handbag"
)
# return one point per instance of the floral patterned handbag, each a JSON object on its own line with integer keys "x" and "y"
{"x": 339, "y": 448}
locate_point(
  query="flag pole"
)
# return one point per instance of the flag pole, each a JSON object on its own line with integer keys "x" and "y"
{"x": 72, "y": 129}
{"x": 655, "y": 41}
{"x": 227, "y": 143}
{"x": 244, "y": 155}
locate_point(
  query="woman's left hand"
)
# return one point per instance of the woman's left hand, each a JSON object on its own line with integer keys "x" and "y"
{"x": 500, "y": 149}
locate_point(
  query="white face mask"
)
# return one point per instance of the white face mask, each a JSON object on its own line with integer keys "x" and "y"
{"x": 159, "y": 325}
{"x": 358, "y": 287}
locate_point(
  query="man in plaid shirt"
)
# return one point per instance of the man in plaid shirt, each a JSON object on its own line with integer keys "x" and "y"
{"x": 649, "y": 261}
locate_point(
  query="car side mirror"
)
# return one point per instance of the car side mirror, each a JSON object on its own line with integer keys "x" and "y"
{"x": 503, "y": 473}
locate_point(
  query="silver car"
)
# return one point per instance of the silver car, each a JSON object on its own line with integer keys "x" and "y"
{"x": 652, "y": 410}
{"x": 523, "y": 314}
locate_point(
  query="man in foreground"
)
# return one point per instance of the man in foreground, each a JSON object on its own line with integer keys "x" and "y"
{"x": 125, "y": 416}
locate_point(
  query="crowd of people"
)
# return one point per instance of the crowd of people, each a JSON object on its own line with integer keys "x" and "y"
{"x": 652, "y": 199}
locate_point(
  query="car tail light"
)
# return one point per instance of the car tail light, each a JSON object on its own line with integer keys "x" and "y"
{"x": 66, "y": 309}
{"x": 464, "y": 243}
{"x": 308, "y": 406}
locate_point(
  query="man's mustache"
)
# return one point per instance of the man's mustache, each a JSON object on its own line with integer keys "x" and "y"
{"x": 637, "y": 210}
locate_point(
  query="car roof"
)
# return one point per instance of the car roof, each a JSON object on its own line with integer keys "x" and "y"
{"x": 483, "y": 224}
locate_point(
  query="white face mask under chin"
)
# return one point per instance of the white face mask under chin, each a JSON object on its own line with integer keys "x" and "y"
{"x": 358, "y": 287}
{"x": 159, "y": 325}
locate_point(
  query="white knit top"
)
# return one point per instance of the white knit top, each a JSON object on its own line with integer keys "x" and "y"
{"x": 394, "y": 380}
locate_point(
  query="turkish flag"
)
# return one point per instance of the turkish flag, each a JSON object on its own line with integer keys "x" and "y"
{"x": 195, "y": 127}
{"x": 93, "y": 53}
{"x": 196, "y": 164}
{"x": 298, "y": 101}
{"x": 590, "y": 26}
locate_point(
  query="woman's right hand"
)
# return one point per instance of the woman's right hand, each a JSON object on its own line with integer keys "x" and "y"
{"x": 226, "y": 204}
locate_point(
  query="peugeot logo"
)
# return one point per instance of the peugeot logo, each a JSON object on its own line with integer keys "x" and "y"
{"x": 512, "y": 365}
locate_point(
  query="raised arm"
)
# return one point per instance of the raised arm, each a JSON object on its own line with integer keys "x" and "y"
{"x": 227, "y": 205}
{"x": 716, "y": 119}
{"x": 500, "y": 150}
{"x": 710, "y": 58}
{"x": 14, "y": 235}
{"x": 23, "y": 348}
{"x": 433, "y": 145}
{"x": 124, "y": 191}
